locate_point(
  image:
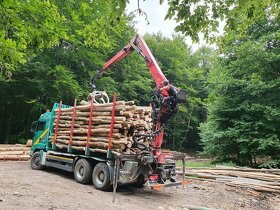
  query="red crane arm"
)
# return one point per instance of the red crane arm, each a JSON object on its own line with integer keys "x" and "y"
{"x": 138, "y": 44}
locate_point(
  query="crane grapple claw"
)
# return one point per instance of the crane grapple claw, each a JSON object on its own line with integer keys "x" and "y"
{"x": 99, "y": 97}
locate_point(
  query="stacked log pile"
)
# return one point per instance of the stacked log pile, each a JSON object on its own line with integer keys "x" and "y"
{"x": 16, "y": 152}
{"x": 263, "y": 180}
{"x": 128, "y": 119}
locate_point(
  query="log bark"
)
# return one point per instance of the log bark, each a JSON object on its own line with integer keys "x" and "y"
{"x": 14, "y": 149}
{"x": 115, "y": 135}
{"x": 14, "y": 152}
{"x": 127, "y": 116}
{"x": 87, "y": 106}
{"x": 92, "y": 144}
{"x": 79, "y": 126}
{"x": 15, "y": 157}
{"x": 92, "y": 131}
{"x": 99, "y": 139}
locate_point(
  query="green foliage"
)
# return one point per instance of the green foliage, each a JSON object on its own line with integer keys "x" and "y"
{"x": 185, "y": 71}
{"x": 25, "y": 28}
{"x": 205, "y": 163}
{"x": 199, "y": 164}
{"x": 49, "y": 51}
{"x": 243, "y": 104}
{"x": 205, "y": 16}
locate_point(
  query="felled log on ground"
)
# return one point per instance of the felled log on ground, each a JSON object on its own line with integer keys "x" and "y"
{"x": 5, "y": 149}
{"x": 128, "y": 119}
{"x": 15, "y": 152}
{"x": 263, "y": 180}
{"x": 15, "y": 157}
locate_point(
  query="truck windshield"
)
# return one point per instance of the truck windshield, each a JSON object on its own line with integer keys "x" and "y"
{"x": 41, "y": 126}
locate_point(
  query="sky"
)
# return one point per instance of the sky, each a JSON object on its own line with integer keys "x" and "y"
{"x": 155, "y": 14}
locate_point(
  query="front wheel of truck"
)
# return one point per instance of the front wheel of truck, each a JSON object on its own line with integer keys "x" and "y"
{"x": 101, "y": 177}
{"x": 82, "y": 171}
{"x": 35, "y": 161}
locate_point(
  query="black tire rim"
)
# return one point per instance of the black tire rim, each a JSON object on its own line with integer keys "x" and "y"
{"x": 100, "y": 177}
{"x": 80, "y": 172}
{"x": 37, "y": 160}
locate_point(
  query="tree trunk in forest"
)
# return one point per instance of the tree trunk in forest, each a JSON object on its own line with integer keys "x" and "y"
{"x": 185, "y": 136}
{"x": 8, "y": 130}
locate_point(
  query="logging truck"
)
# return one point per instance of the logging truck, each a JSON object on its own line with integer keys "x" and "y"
{"x": 107, "y": 143}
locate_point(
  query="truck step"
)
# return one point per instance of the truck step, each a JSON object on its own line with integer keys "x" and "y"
{"x": 59, "y": 162}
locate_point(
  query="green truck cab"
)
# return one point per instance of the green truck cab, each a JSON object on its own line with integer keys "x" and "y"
{"x": 43, "y": 130}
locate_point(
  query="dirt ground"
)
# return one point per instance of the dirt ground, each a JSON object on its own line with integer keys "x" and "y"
{"x": 24, "y": 188}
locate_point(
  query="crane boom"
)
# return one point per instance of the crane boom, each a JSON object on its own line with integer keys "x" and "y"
{"x": 161, "y": 112}
{"x": 138, "y": 44}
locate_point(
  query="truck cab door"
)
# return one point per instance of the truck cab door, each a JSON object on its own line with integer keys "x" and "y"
{"x": 40, "y": 132}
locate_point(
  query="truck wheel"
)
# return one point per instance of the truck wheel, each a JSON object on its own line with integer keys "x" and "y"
{"x": 82, "y": 171}
{"x": 140, "y": 181}
{"x": 35, "y": 161}
{"x": 101, "y": 176}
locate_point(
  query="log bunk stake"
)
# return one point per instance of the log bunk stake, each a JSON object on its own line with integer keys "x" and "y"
{"x": 56, "y": 125}
{"x": 110, "y": 145}
{"x": 72, "y": 127}
{"x": 89, "y": 127}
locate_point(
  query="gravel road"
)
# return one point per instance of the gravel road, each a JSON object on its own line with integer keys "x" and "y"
{"x": 24, "y": 188}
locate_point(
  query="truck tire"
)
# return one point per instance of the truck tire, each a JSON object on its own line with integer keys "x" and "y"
{"x": 140, "y": 181}
{"x": 82, "y": 171}
{"x": 35, "y": 161}
{"x": 101, "y": 177}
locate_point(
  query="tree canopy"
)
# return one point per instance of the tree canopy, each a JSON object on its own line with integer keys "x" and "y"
{"x": 243, "y": 106}
{"x": 205, "y": 16}
{"x": 50, "y": 49}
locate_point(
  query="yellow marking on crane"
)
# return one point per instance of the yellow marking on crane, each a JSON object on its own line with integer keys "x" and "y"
{"x": 40, "y": 137}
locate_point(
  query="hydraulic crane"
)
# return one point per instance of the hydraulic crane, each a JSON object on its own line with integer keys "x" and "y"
{"x": 162, "y": 111}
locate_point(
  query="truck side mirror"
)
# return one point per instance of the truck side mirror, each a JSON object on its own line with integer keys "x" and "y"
{"x": 34, "y": 126}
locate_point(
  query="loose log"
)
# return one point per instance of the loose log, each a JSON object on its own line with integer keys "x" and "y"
{"x": 11, "y": 145}
{"x": 129, "y": 103}
{"x": 117, "y": 118}
{"x": 116, "y": 145}
{"x": 127, "y": 116}
{"x": 84, "y": 121}
{"x": 78, "y": 126}
{"x": 94, "y": 113}
{"x": 14, "y": 149}
{"x": 104, "y": 151}
{"x": 60, "y": 146}
{"x": 92, "y": 131}
{"x": 14, "y": 152}
{"x": 129, "y": 108}
{"x": 29, "y": 143}
{"x": 257, "y": 188}
{"x": 15, "y": 157}
{"x": 78, "y": 148}
{"x": 94, "y": 139}
{"x": 95, "y": 106}
{"x": 115, "y": 135}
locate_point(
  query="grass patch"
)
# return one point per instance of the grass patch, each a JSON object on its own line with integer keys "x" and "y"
{"x": 229, "y": 164}
{"x": 197, "y": 164}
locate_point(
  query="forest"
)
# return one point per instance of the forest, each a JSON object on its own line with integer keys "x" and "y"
{"x": 50, "y": 49}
